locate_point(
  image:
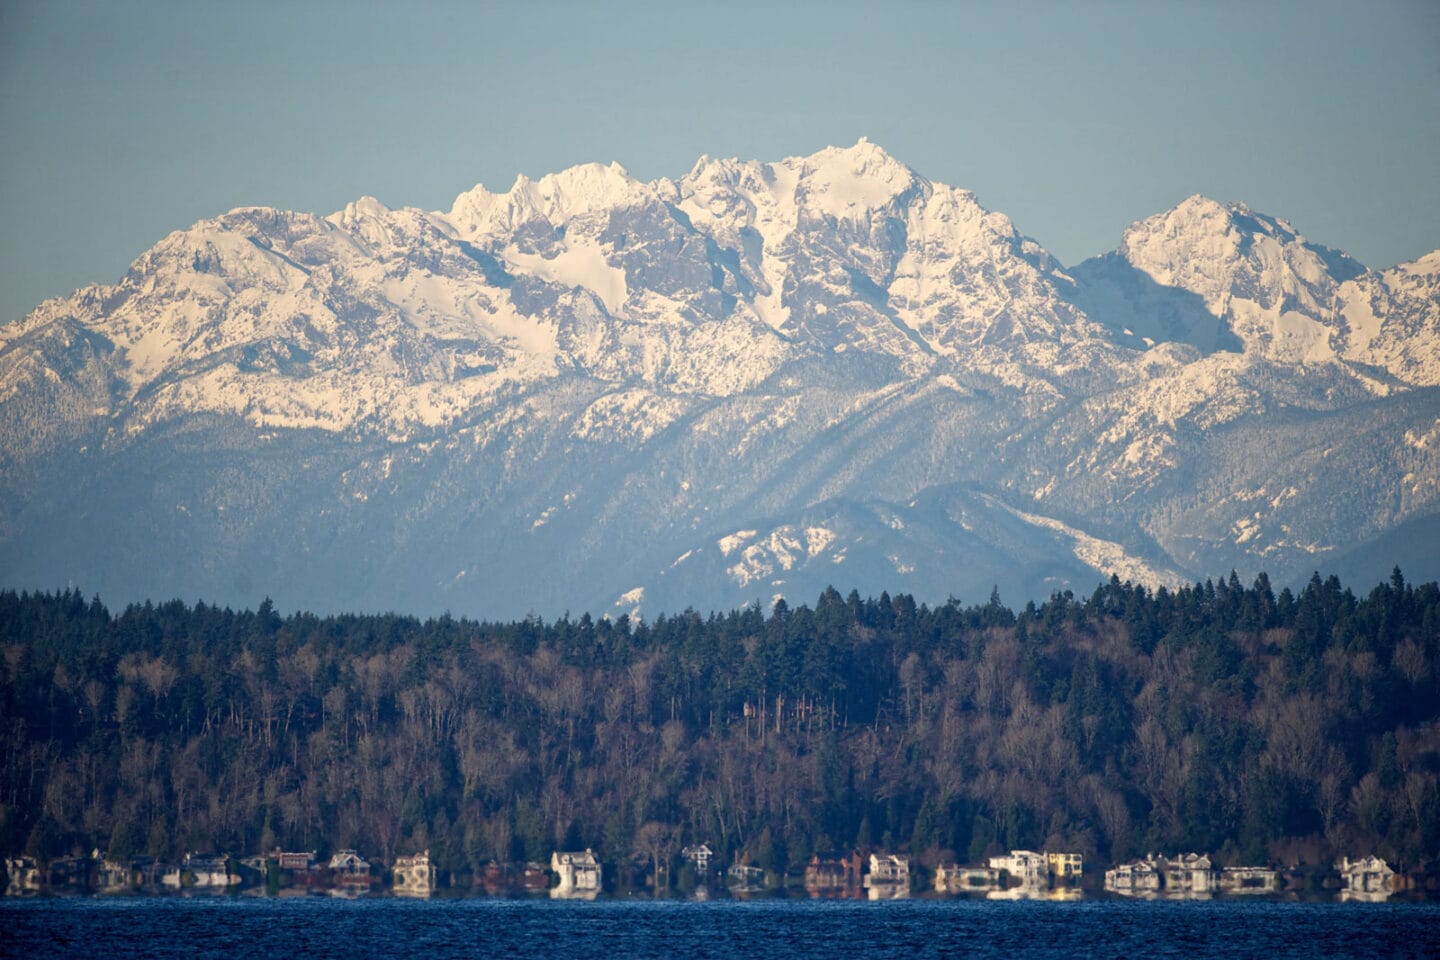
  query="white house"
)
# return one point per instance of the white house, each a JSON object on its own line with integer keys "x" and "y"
{"x": 746, "y": 877}
{"x": 888, "y": 870}
{"x": 699, "y": 857}
{"x": 577, "y": 871}
{"x": 1370, "y": 875}
{"x": 349, "y": 871}
{"x": 1190, "y": 873}
{"x": 199, "y": 871}
{"x": 1027, "y": 866}
{"x": 1139, "y": 877}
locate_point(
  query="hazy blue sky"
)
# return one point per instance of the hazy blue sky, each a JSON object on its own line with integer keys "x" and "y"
{"x": 122, "y": 121}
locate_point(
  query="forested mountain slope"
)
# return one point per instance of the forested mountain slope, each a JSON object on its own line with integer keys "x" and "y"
{"x": 1217, "y": 717}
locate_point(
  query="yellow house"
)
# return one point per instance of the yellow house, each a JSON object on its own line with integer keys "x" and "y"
{"x": 1064, "y": 867}
{"x": 414, "y": 876}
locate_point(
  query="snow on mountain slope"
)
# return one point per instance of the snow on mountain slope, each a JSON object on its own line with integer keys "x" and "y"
{"x": 1276, "y": 292}
{"x": 1103, "y": 554}
{"x": 1392, "y": 320}
{"x": 293, "y": 320}
{"x": 540, "y": 399}
{"x": 852, "y": 250}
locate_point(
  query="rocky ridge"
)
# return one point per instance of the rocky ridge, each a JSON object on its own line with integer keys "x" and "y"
{"x": 758, "y": 379}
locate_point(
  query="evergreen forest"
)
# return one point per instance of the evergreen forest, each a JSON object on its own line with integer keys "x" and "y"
{"x": 1218, "y": 717}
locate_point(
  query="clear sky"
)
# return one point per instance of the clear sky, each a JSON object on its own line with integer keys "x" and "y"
{"x": 121, "y": 121}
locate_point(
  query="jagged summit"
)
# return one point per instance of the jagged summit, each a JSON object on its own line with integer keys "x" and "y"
{"x": 1272, "y": 289}
{"x": 555, "y": 199}
{"x": 847, "y": 182}
{"x": 758, "y": 378}
{"x": 1199, "y": 220}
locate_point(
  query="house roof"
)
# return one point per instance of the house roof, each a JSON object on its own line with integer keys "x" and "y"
{"x": 347, "y": 858}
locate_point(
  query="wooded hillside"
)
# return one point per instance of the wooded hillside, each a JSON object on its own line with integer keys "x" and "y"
{"x": 1217, "y": 717}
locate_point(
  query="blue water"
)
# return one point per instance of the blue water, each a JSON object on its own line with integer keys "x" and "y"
{"x": 316, "y": 927}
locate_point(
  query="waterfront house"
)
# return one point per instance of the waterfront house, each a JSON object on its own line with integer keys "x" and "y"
{"x": 1026, "y": 866}
{"x": 294, "y": 861}
{"x": 1189, "y": 873}
{"x": 1249, "y": 880}
{"x": 1064, "y": 868}
{"x": 953, "y": 878}
{"x": 199, "y": 870}
{"x": 1142, "y": 876}
{"x": 298, "y": 868}
{"x": 150, "y": 872}
{"x": 578, "y": 872}
{"x": 743, "y": 876}
{"x": 888, "y": 870}
{"x": 349, "y": 871}
{"x": 106, "y": 875}
{"x": 68, "y": 875}
{"x": 414, "y": 876}
{"x": 1370, "y": 875}
{"x": 833, "y": 871}
{"x": 23, "y": 875}
{"x": 502, "y": 878}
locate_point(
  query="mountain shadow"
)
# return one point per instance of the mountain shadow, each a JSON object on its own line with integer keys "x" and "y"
{"x": 1136, "y": 309}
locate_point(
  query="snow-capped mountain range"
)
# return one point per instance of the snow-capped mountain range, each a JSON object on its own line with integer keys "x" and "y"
{"x": 593, "y": 393}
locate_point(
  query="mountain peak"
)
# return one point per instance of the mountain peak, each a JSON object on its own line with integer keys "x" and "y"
{"x": 758, "y": 377}
{"x": 356, "y": 210}
{"x": 1198, "y": 216}
{"x": 864, "y": 158}
{"x": 1198, "y": 206}
{"x": 1271, "y": 287}
{"x": 556, "y": 197}
{"x": 847, "y": 181}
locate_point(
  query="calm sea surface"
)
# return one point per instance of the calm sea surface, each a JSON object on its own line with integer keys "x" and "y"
{"x": 316, "y": 927}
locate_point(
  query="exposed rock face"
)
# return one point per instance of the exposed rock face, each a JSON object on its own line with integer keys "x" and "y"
{"x": 762, "y": 378}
